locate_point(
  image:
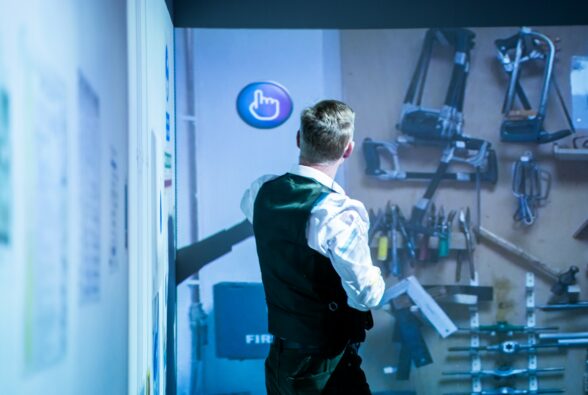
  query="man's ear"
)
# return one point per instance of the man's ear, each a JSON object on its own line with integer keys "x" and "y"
{"x": 298, "y": 138}
{"x": 349, "y": 149}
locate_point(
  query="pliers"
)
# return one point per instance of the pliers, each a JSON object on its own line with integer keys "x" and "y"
{"x": 466, "y": 229}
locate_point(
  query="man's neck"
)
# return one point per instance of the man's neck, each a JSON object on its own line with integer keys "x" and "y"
{"x": 329, "y": 169}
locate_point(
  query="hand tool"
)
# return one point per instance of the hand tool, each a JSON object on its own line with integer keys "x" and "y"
{"x": 503, "y": 327}
{"x": 562, "y": 282}
{"x": 385, "y": 224}
{"x": 434, "y": 226}
{"x": 407, "y": 331}
{"x": 420, "y": 208}
{"x": 376, "y": 223}
{"x": 563, "y": 335}
{"x": 386, "y": 229}
{"x": 444, "y": 123}
{"x": 455, "y": 294}
{"x": 445, "y": 235}
{"x": 408, "y": 238}
{"x": 450, "y": 218}
{"x": 473, "y": 152}
{"x": 461, "y": 294}
{"x": 427, "y": 306}
{"x": 431, "y": 229}
{"x": 440, "y": 128}
{"x": 510, "y": 391}
{"x": 458, "y": 266}
{"x": 466, "y": 228}
{"x": 569, "y": 339}
{"x": 513, "y": 347}
{"x": 579, "y": 149}
{"x": 530, "y": 186}
{"x": 395, "y": 261}
{"x": 505, "y": 372}
{"x": 581, "y": 305}
{"x": 527, "y": 125}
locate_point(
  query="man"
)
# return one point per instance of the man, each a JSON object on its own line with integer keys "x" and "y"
{"x": 315, "y": 262}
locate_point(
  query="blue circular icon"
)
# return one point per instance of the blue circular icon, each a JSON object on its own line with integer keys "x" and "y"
{"x": 264, "y": 105}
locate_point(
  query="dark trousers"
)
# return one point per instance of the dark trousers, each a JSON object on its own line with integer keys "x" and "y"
{"x": 296, "y": 372}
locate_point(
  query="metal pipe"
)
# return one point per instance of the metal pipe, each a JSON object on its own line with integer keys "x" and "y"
{"x": 550, "y": 58}
{"x": 196, "y": 305}
{"x": 563, "y": 306}
{"x": 191, "y": 128}
{"x": 424, "y": 70}
{"x": 573, "y": 342}
{"x": 569, "y": 335}
{"x": 514, "y": 75}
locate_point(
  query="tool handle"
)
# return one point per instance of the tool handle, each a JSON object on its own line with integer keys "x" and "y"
{"x": 513, "y": 249}
{"x": 490, "y": 174}
{"x": 372, "y": 157}
{"x": 382, "y": 249}
{"x": 396, "y": 266}
{"x": 443, "y": 245}
{"x": 424, "y": 248}
{"x": 545, "y": 137}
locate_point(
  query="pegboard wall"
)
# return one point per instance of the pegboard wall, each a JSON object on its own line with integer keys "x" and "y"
{"x": 376, "y": 70}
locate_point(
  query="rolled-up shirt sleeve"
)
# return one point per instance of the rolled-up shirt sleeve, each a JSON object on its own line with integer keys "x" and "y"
{"x": 248, "y": 198}
{"x": 338, "y": 228}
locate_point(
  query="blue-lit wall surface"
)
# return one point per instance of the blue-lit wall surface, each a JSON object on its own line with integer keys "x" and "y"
{"x": 151, "y": 286}
{"x": 230, "y": 154}
{"x": 63, "y": 170}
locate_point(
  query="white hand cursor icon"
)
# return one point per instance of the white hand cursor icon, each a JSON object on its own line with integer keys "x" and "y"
{"x": 264, "y": 108}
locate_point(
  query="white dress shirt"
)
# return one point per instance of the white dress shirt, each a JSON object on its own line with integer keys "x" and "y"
{"x": 338, "y": 229}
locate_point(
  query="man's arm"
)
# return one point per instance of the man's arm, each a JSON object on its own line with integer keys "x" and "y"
{"x": 338, "y": 228}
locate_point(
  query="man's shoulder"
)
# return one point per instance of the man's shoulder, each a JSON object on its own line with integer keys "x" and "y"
{"x": 293, "y": 181}
{"x": 260, "y": 181}
{"x": 250, "y": 194}
{"x": 334, "y": 201}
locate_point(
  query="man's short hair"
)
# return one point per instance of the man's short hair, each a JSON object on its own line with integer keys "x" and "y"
{"x": 325, "y": 130}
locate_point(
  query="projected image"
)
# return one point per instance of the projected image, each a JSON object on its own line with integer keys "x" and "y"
{"x": 457, "y": 134}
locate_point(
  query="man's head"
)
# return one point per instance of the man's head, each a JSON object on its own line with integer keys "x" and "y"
{"x": 326, "y": 132}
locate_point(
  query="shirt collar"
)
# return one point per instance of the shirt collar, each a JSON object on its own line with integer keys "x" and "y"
{"x": 317, "y": 175}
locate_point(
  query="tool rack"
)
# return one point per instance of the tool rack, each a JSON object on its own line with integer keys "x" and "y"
{"x": 457, "y": 241}
{"x": 532, "y": 339}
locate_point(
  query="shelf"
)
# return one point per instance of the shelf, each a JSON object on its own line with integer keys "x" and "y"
{"x": 565, "y": 153}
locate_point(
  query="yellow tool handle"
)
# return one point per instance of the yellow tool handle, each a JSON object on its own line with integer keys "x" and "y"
{"x": 383, "y": 248}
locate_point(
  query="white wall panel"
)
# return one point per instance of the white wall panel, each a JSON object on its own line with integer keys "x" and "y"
{"x": 151, "y": 192}
{"x": 63, "y": 72}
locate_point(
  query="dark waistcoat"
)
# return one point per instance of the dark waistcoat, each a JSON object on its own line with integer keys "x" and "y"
{"x": 306, "y": 301}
